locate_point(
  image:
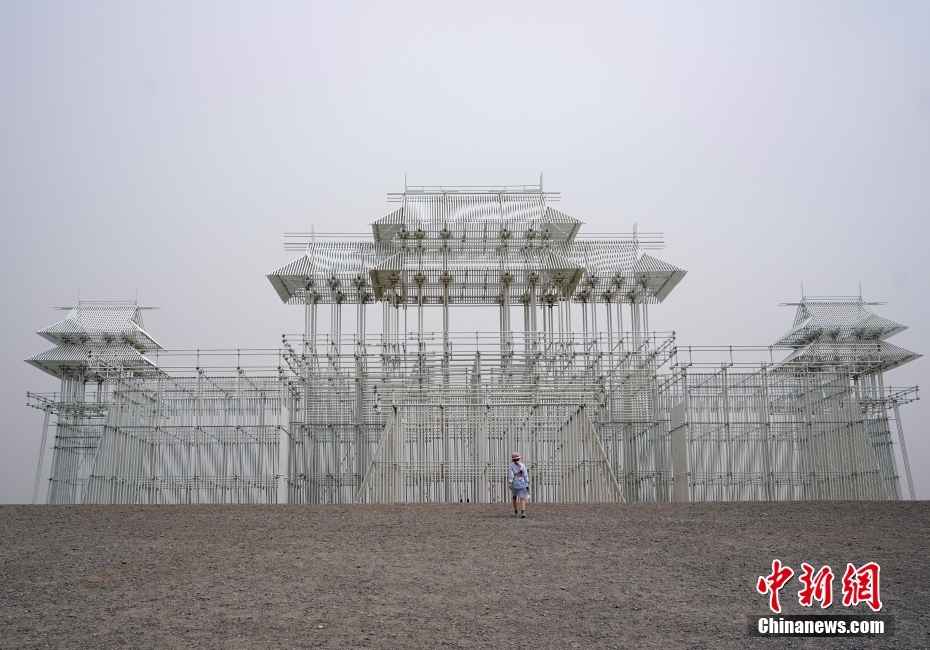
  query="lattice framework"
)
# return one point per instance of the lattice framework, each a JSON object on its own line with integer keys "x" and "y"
{"x": 609, "y": 412}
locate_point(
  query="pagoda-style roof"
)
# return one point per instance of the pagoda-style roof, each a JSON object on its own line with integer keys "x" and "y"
{"x": 860, "y": 356}
{"x": 102, "y": 323}
{"x": 90, "y": 364}
{"x": 483, "y": 244}
{"x": 844, "y": 330}
{"x": 330, "y": 272}
{"x": 513, "y": 214}
{"x": 475, "y": 275}
{"x": 837, "y": 319}
{"x": 619, "y": 271}
{"x": 95, "y": 336}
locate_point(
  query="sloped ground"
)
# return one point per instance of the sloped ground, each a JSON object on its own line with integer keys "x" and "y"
{"x": 457, "y": 575}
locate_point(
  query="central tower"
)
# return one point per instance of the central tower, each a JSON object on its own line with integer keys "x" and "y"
{"x": 430, "y": 415}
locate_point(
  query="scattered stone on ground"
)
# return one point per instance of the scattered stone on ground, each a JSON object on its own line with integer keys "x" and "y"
{"x": 443, "y": 575}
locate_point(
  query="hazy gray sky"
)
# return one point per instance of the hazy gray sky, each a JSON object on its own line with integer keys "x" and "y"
{"x": 165, "y": 148}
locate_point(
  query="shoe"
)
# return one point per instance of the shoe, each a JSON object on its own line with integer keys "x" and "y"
{"x": 522, "y": 515}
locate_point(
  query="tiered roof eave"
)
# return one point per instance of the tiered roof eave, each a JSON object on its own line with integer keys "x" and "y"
{"x": 843, "y": 330}
{"x": 95, "y": 336}
{"x": 475, "y": 247}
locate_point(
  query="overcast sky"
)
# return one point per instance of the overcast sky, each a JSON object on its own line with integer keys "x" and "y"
{"x": 164, "y": 148}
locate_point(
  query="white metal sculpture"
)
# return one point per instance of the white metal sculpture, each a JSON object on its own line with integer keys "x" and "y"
{"x": 606, "y": 412}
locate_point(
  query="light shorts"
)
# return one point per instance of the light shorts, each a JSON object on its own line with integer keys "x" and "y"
{"x": 520, "y": 493}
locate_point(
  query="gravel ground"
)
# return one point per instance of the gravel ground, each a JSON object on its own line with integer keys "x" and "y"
{"x": 442, "y": 575}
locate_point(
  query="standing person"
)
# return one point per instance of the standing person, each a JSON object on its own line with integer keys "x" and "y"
{"x": 519, "y": 485}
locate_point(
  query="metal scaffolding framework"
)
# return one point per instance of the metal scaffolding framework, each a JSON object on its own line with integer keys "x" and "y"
{"x": 608, "y": 412}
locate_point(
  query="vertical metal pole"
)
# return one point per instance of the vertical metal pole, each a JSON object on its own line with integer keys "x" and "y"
{"x": 533, "y": 312}
{"x": 768, "y": 444}
{"x": 313, "y": 326}
{"x": 420, "y": 310}
{"x": 610, "y": 337}
{"x": 35, "y": 492}
{"x": 361, "y": 442}
{"x": 400, "y": 487}
{"x": 446, "y": 348}
{"x": 907, "y": 463}
{"x": 307, "y": 323}
{"x": 284, "y": 451}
